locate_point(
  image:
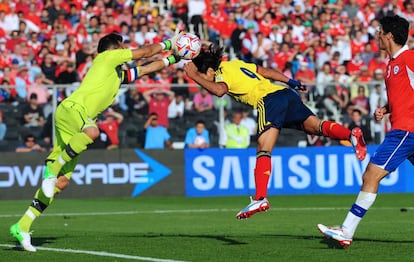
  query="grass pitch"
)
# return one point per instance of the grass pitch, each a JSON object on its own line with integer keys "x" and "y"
{"x": 205, "y": 229}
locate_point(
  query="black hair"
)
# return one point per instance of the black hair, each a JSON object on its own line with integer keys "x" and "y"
{"x": 209, "y": 57}
{"x": 397, "y": 26}
{"x": 111, "y": 40}
{"x": 357, "y": 111}
{"x": 26, "y": 138}
{"x": 200, "y": 121}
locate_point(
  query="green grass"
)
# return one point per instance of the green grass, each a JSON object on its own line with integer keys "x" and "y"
{"x": 179, "y": 228}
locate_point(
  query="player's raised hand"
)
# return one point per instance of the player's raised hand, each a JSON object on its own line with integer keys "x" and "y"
{"x": 379, "y": 113}
{"x": 190, "y": 69}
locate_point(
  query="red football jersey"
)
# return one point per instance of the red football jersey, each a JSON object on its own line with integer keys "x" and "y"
{"x": 399, "y": 79}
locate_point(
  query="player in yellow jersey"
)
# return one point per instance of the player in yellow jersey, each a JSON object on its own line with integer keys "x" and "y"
{"x": 278, "y": 106}
{"x": 75, "y": 119}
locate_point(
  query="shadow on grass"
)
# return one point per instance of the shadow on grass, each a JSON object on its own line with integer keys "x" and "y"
{"x": 37, "y": 242}
{"x": 335, "y": 245}
{"x": 225, "y": 239}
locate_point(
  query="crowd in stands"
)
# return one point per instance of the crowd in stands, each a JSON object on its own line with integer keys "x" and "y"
{"x": 329, "y": 45}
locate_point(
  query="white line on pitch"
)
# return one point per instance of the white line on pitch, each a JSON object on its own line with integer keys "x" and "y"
{"x": 99, "y": 253}
{"x": 196, "y": 211}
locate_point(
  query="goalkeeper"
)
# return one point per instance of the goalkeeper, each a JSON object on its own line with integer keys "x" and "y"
{"x": 75, "y": 119}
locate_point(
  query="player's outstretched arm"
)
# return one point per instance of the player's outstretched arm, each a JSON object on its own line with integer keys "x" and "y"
{"x": 152, "y": 49}
{"x": 276, "y": 75}
{"x": 132, "y": 74}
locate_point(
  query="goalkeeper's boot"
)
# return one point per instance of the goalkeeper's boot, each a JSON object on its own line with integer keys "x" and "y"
{"x": 335, "y": 233}
{"x": 23, "y": 238}
{"x": 49, "y": 182}
{"x": 358, "y": 142}
{"x": 255, "y": 206}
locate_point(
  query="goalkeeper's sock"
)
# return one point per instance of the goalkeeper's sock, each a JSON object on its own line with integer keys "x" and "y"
{"x": 39, "y": 204}
{"x": 262, "y": 173}
{"x": 334, "y": 130}
{"x": 363, "y": 202}
{"x": 77, "y": 144}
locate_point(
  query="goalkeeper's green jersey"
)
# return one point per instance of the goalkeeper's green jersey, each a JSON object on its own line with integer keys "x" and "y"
{"x": 101, "y": 84}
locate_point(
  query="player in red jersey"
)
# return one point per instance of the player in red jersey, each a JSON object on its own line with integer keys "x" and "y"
{"x": 398, "y": 144}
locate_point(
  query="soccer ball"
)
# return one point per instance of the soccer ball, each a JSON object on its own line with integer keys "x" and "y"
{"x": 188, "y": 46}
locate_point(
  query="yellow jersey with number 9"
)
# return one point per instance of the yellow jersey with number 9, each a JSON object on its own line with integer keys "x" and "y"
{"x": 244, "y": 84}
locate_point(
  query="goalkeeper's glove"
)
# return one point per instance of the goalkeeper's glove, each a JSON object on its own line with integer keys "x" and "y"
{"x": 171, "y": 59}
{"x": 170, "y": 44}
{"x": 296, "y": 85}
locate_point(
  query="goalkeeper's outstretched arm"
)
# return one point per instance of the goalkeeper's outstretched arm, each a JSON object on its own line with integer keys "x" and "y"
{"x": 132, "y": 74}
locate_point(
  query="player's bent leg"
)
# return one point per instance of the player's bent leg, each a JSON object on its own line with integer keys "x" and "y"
{"x": 254, "y": 207}
{"x": 49, "y": 181}
{"x": 336, "y": 234}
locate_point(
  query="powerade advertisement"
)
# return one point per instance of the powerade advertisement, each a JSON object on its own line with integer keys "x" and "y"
{"x": 311, "y": 170}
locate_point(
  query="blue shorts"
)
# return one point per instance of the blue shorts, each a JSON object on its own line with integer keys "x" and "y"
{"x": 397, "y": 146}
{"x": 283, "y": 108}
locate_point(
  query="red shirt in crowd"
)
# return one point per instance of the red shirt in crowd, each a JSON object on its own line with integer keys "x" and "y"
{"x": 111, "y": 128}
{"x": 160, "y": 106}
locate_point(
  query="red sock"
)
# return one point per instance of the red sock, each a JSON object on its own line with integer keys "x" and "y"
{"x": 335, "y": 131}
{"x": 261, "y": 175}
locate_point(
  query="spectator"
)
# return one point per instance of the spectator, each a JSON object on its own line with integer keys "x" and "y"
{"x": 203, "y": 101}
{"x": 12, "y": 19}
{"x": 377, "y": 62}
{"x": 47, "y": 131}
{"x": 83, "y": 52}
{"x": 361, "y": 101}
{"x": 377, "y": 98}
{"x": 158, "y": 101}
{"x": 325, "y": 75}
{"x": 39, "y": 89}
{"x": 22, "y": 82}
{"x": 248, "y": 122}
{"x": 198, "y": 136}
{"x": 110, "y": 125}
{"x": 144, "y": 84}
{"x": 305, "y": 74}
{"x": 237, "y": 37}
{"x": 357, "y": 120}
{"x": 3, "y": 127}
{"x": 249, "y": 39}
{"x": 49, "y": 67}
{"x": 163, "y": 79}
{"x": 196, "y": 9}
{"x": 30, "y": 145}
{"x": 68, "y": 75}
{"x": 354, "y": 66}
{"x": 176, "y": 107}
{"x": 235, "y": 134}
{"x": 33, "y": 117}
{"x": 261, "y": 48}
{"x": 135, "y": 104}
{"x": 224, "y": 101}
{"x": 156, "y": 136}
{"x": 336, "y": 97}
{"x": 180, "y": 84}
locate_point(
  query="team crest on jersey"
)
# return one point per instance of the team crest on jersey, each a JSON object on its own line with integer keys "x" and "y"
{"x": 396, "y": 69}
{"x": 219, "y": 78}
